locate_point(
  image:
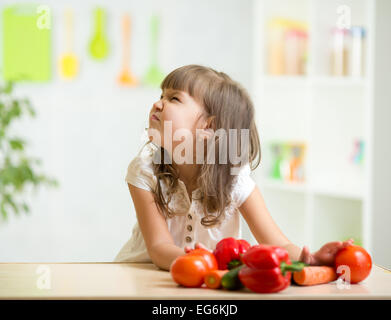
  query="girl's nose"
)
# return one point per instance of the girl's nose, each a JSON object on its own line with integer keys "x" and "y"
{"x": 158, "y": 104}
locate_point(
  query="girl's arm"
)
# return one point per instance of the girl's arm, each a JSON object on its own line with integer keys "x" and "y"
{"x": 262, "y": 225}
{"x": 266, "y": 231}
{"x": 158, "y": 240}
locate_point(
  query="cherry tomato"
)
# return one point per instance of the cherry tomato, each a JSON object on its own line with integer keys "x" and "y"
{"x": 207, "y": 255}
{"x": 357, "y": 259}
{"x": 189, "y": 270}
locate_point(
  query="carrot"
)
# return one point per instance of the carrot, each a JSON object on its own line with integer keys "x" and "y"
{"x": 213, "y": 278}
{"x": 313, "y": 275}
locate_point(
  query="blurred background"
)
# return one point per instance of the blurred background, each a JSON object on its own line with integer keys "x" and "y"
{"x": 79, "y": 78}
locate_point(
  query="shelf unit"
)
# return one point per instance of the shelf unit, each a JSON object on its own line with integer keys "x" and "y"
{"x": 327, "y": 113}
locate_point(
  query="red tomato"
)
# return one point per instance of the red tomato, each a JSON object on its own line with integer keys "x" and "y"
{"x": 189, "y": 270}
{"x": 207, "y": 255}
{"x": 357, "y": 259}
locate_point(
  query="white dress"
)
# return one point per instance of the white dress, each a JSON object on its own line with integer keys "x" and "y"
{"x": 185, "y": 228}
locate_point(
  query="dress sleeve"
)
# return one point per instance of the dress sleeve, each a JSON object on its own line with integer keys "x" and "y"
{"x": 140, "y": 174}
{"x": 244, "y": 185}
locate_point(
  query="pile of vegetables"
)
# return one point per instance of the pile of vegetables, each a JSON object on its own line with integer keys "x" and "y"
{"x": 235, "y": 264}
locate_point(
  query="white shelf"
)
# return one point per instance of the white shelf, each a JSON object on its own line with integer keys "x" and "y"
{"x": 339, "y": 81}
{"x": 343, "y": 193}
{"x": 334, "y": 81}
{"x": 353, "y": 192}
{"x": 327, "y": 112}
{"x": 284, "y": 185}
{"x": 284, "y": 80}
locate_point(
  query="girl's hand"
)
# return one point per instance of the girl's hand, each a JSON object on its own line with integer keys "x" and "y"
{"x": 325, "y": 256}
{"x": 197, "y": 245}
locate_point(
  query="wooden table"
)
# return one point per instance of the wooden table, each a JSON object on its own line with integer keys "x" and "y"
{"x": 144, "y": 281}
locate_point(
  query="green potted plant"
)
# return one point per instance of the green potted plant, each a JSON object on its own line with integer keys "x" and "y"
{"x": 17, "y": 170}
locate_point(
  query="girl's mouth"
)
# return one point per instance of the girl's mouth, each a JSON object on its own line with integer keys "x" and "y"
{"x": 153, "y": 117}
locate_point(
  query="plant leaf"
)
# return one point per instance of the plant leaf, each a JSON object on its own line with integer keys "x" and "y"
{"x": 25, "y": 207}
{"x": 3, "y": 211}
{"x": 17, "y": 144}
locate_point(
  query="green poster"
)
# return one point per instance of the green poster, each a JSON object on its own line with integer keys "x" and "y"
{"x": 26, "y": 42}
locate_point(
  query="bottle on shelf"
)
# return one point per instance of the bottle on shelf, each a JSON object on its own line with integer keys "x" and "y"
{"x": 296, "y": 165}
{"x": 287, "y": 46}
{"x": 358, "y": 51}
{"x": 295, "y": 51}
{"x": 288, "y": 161}
{"x": 276, "y": 33}
{"x": 339, "y": 65}
{"x": 277, "y": 154}
{"x": 358, "y": 153}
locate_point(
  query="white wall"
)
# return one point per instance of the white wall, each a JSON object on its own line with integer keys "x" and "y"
{"x": 87, "y": 131}
{"x": 381, "y": 130}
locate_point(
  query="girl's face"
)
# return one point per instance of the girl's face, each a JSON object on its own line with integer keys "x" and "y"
{"x": 178, "y": 110}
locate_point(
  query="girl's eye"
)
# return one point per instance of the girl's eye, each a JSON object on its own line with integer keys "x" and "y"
{"x": 161, "y": 97}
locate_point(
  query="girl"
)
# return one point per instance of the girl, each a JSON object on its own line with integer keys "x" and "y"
{"x": 184, "y": 204}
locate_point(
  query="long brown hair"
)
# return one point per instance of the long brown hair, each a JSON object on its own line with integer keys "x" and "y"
{"x": 228, "y": 104}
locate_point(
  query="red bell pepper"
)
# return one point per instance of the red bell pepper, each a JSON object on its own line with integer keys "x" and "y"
{"x": 228, "y": 252}
{"x": 267, "y": 268}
